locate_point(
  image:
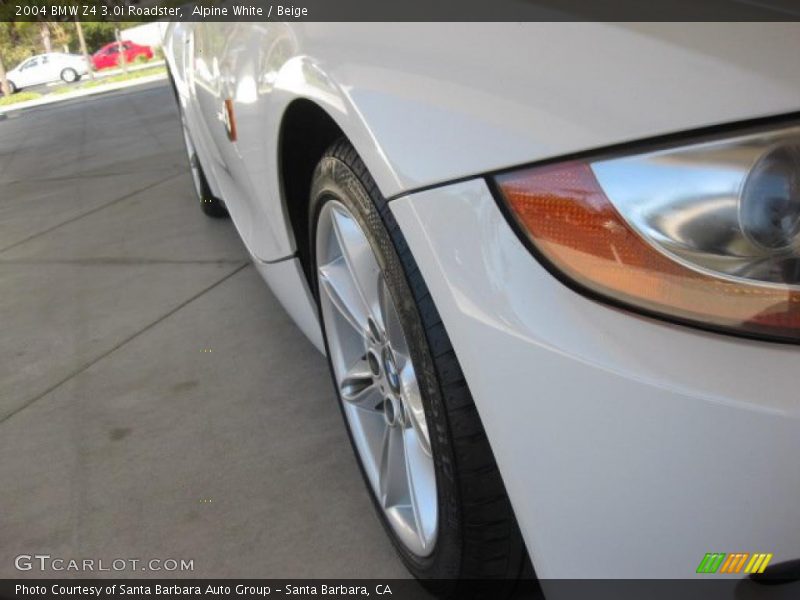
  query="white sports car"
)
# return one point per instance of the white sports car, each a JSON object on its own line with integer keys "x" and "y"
{"x": 44, "y": 68}
{"x": 555, "y": 269}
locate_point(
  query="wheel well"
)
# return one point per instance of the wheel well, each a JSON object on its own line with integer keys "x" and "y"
{"x": 306, "y": 132}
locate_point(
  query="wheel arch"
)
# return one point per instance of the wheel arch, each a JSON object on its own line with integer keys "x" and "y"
{"x": 315, "y": 109}
{"x": 307, "y": 130}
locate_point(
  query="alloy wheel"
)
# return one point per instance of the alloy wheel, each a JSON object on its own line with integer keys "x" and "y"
{"x": 376, "y": 379}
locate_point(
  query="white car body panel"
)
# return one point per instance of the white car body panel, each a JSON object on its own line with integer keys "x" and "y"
{"x": 288, "y": 282}
{"x": 44, "y": 68}
{"x": 629, "y": 447}
{"x": 422, "y": 108}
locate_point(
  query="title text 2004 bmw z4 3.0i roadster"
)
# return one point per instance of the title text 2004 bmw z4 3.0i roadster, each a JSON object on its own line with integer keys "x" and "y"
{"x": 555, "y": 269}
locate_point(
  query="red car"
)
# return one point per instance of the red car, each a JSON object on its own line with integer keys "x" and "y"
{"x": 109, "y": 55}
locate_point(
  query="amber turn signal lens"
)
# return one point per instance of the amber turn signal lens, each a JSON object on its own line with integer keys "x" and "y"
{"x": 573, "y": 225}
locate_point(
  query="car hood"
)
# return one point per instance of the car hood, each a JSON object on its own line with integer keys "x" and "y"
{"x": 504, "y": 94}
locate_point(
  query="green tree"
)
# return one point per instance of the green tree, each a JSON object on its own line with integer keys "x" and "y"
{"x": 98, "y": 34}
{"x": 18, "y": 41}
{"x": 22, "y": 39}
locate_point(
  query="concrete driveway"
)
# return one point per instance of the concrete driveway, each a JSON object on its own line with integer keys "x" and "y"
{"x": 155, "y": 399}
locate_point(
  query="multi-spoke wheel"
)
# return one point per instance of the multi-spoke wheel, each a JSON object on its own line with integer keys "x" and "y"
{"x": 412, "y": 422}
{"x": 376, "y": 378}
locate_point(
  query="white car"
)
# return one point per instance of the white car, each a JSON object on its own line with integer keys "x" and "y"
{"x": 555, "y": 268}
{"x": 44, "y": 68}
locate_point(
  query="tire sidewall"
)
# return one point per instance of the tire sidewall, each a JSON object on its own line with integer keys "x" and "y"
{"x": 67, "y": 78}
{"x": 209, "y": 204}
{"x": 201, "y": 187}
{"x": 200, "y": 184}
{"x": 335, "y": 180}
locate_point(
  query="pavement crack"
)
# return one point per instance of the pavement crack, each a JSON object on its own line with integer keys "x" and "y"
{"x": 82, "y": 368}
{"x": 89, "y": 212}
{"x": 88, "y": 175}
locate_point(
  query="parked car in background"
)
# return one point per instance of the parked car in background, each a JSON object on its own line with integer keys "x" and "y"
{"x": 44, "y": 68}
{"x": 109, "y": 55}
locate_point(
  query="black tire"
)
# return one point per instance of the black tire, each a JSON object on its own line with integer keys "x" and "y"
{"x": 211, "y": 205}
{"x": 12, "y": 88}
{"x": 69, "y": 75}
{"x": 478, "y": 535}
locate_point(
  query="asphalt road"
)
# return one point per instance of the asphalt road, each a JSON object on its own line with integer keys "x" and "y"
{"x": 155, "y": 399}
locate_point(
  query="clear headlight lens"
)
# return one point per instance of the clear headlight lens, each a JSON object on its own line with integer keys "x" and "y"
{"x": 707, "y": 233}
{"x": 769, "y": 210}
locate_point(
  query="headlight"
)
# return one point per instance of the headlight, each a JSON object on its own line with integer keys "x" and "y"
{"x": 707, "y": 233}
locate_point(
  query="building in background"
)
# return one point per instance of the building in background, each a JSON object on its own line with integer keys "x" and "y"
{"x": 146, "y": 34}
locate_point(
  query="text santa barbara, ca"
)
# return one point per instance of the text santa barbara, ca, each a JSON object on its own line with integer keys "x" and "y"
{"x": 181, "y": 589}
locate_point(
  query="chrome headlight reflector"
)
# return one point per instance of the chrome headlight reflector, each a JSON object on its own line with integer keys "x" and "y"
{"x": 706, "y": 233}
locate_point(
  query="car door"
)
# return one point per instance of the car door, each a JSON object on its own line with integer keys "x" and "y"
{"x": 19, "y": 74}
{"x": 99, "y": 58}
{"x": 216, "y": 51}
{"x": 206, "y": 48}
{"x": 130, "y": 51}
{"x": 28, "y": 73}
{"x": 233, "y": 99}
{"x": 26, "y": 76}
{"x": 113, "y": 56}
{"x": 49, "y": 68}
{"x": 109, "y": 56}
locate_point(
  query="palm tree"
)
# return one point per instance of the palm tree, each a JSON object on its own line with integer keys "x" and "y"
{"x": 123, "y": 58}
{"x": 45, "y": 33}
{"x": 84, "y": 51}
